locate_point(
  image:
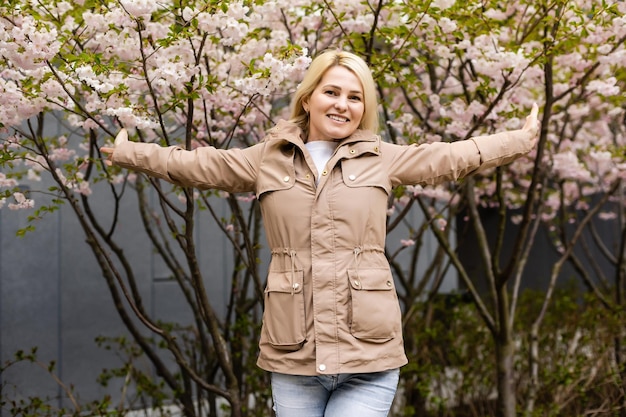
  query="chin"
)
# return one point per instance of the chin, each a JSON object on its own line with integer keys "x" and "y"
{"x": 340, "y": 134}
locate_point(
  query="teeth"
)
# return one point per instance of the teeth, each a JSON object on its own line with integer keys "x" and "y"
{"x": 338, "y": 118}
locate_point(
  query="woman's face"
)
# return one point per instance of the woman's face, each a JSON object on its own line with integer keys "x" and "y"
{"x": 336, "y": 105}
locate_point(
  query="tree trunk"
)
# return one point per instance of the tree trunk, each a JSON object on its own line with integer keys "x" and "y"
{"x": 505, "y": 354}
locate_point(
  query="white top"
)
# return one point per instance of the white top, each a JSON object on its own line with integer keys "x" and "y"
{"x": 321, "y": 151}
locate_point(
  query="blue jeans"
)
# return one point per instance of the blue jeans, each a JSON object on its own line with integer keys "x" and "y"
{"x": 343, "y": 395}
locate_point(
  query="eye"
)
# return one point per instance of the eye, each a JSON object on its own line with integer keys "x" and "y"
{"x": 355, "y": 98}
{"x": 330, "y": 92}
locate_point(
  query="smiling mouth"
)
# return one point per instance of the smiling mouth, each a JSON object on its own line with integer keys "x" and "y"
{"x": 338, "y": 118}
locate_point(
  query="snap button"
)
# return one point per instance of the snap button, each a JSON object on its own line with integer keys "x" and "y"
{"x": 357, "y": 283}
{"x": 322, "y": 367}
{"x": 307, "y": 176}
{"x": 352, "y": 177}
{"x": 376, "y": 149}
{"x": 286, "y": 179}
{"x": 296, "y": 286}
{"x": 389, "y": 283}
{"x": 352, "y": 151}
{"x": 324, "y": 172}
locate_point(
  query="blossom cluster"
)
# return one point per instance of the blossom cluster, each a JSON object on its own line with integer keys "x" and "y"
{"x": 444, "y": 74}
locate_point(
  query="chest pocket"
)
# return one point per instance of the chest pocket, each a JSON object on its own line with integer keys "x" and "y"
{"x": 365, "y": 171}
{"x": 269, "y": 183}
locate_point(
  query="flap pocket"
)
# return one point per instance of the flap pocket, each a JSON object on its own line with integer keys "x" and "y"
{"x": 264, "y": 187}
{"x": 359, "y": 174}
{"x": 285, "y": 281}
{"x": 371, "y": 279}
{"x": 375, "y": 312}
{"x": 284, "y": 316}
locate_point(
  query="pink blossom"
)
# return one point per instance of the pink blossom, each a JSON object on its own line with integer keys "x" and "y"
{"x": 517, "y": 218}
{"x": 403, "y": 200}
{"x": 443, "y": 4}
{"x": 7, "y": 182}
{"x": 90, "y": 124}
{"x": 447, "y": 25}
{"x": 567, "y": 166}
{"x": 436, "y": 193}
{"x": 84, "y": 188}
{"x": 140, "y": 8}
{"x": 33, "y": 175}
{"x": 247, "y": 198}
{"x": 35, "y": 162}
{"x": 495, "y": 14}
{"x": 62, "y": 154}
{"x": 600, "y": 163}
{"x": 361, "y": 23}
{"x": 29, "y": 44}
{"x": 95, "y": 21}
{"x": 407, "y": 242}
{"x": 21, "y": 202}
{"x": 606, "y": 87}
{"x": 581, "y": 205}
{"x": 607, "y": 215}
{"x": 415, "y": 190}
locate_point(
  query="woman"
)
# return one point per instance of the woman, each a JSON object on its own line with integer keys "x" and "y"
{"x": 331, "y": 334}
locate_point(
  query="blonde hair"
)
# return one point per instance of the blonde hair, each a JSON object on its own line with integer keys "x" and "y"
{"x": 313, "y": 76}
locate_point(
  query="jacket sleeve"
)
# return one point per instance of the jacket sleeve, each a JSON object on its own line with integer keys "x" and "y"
{"x": 433, "y": 163}
{"x": 233, "y": 170}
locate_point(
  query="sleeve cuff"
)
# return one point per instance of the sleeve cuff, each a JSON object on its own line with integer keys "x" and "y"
{"x": 502, "y": 148}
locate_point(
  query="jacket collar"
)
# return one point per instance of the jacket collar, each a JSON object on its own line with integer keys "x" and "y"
{"x": 290, "y": 132}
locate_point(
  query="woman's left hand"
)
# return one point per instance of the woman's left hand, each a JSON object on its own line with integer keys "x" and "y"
{"x": 532, "y": 124}
{"x": 121, "y": 137}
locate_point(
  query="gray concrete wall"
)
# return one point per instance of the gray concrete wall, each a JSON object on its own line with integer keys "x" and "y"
{"x": 53, "y": 297}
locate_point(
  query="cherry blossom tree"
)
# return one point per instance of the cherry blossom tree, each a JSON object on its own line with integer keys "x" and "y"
{"x": 474, "y": 77}
{"x": 221, "y": 73}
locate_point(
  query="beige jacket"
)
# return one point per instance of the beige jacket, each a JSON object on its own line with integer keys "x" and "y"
{"x": 330, "y": 300}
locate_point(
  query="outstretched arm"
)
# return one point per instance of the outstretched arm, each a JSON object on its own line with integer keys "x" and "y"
{"x": 505, "y": 147}
{"x": 436, "y": 162}
{"x": 232, "y": 170}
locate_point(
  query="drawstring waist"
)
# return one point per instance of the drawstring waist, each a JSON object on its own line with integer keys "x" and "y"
{"x": 292, "y": 255}
{"x": 357, "y": 255}
{"x": 357, "y": 252}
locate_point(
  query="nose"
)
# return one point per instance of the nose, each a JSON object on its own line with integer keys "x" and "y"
{"x": 341, "y": 103}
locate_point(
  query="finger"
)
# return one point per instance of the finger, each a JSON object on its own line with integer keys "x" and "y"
{"x": 121, "y": 137}
{"x": 534, "y": 112}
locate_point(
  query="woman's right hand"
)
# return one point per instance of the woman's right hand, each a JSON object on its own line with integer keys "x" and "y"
{"x": 121, "y": 137}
